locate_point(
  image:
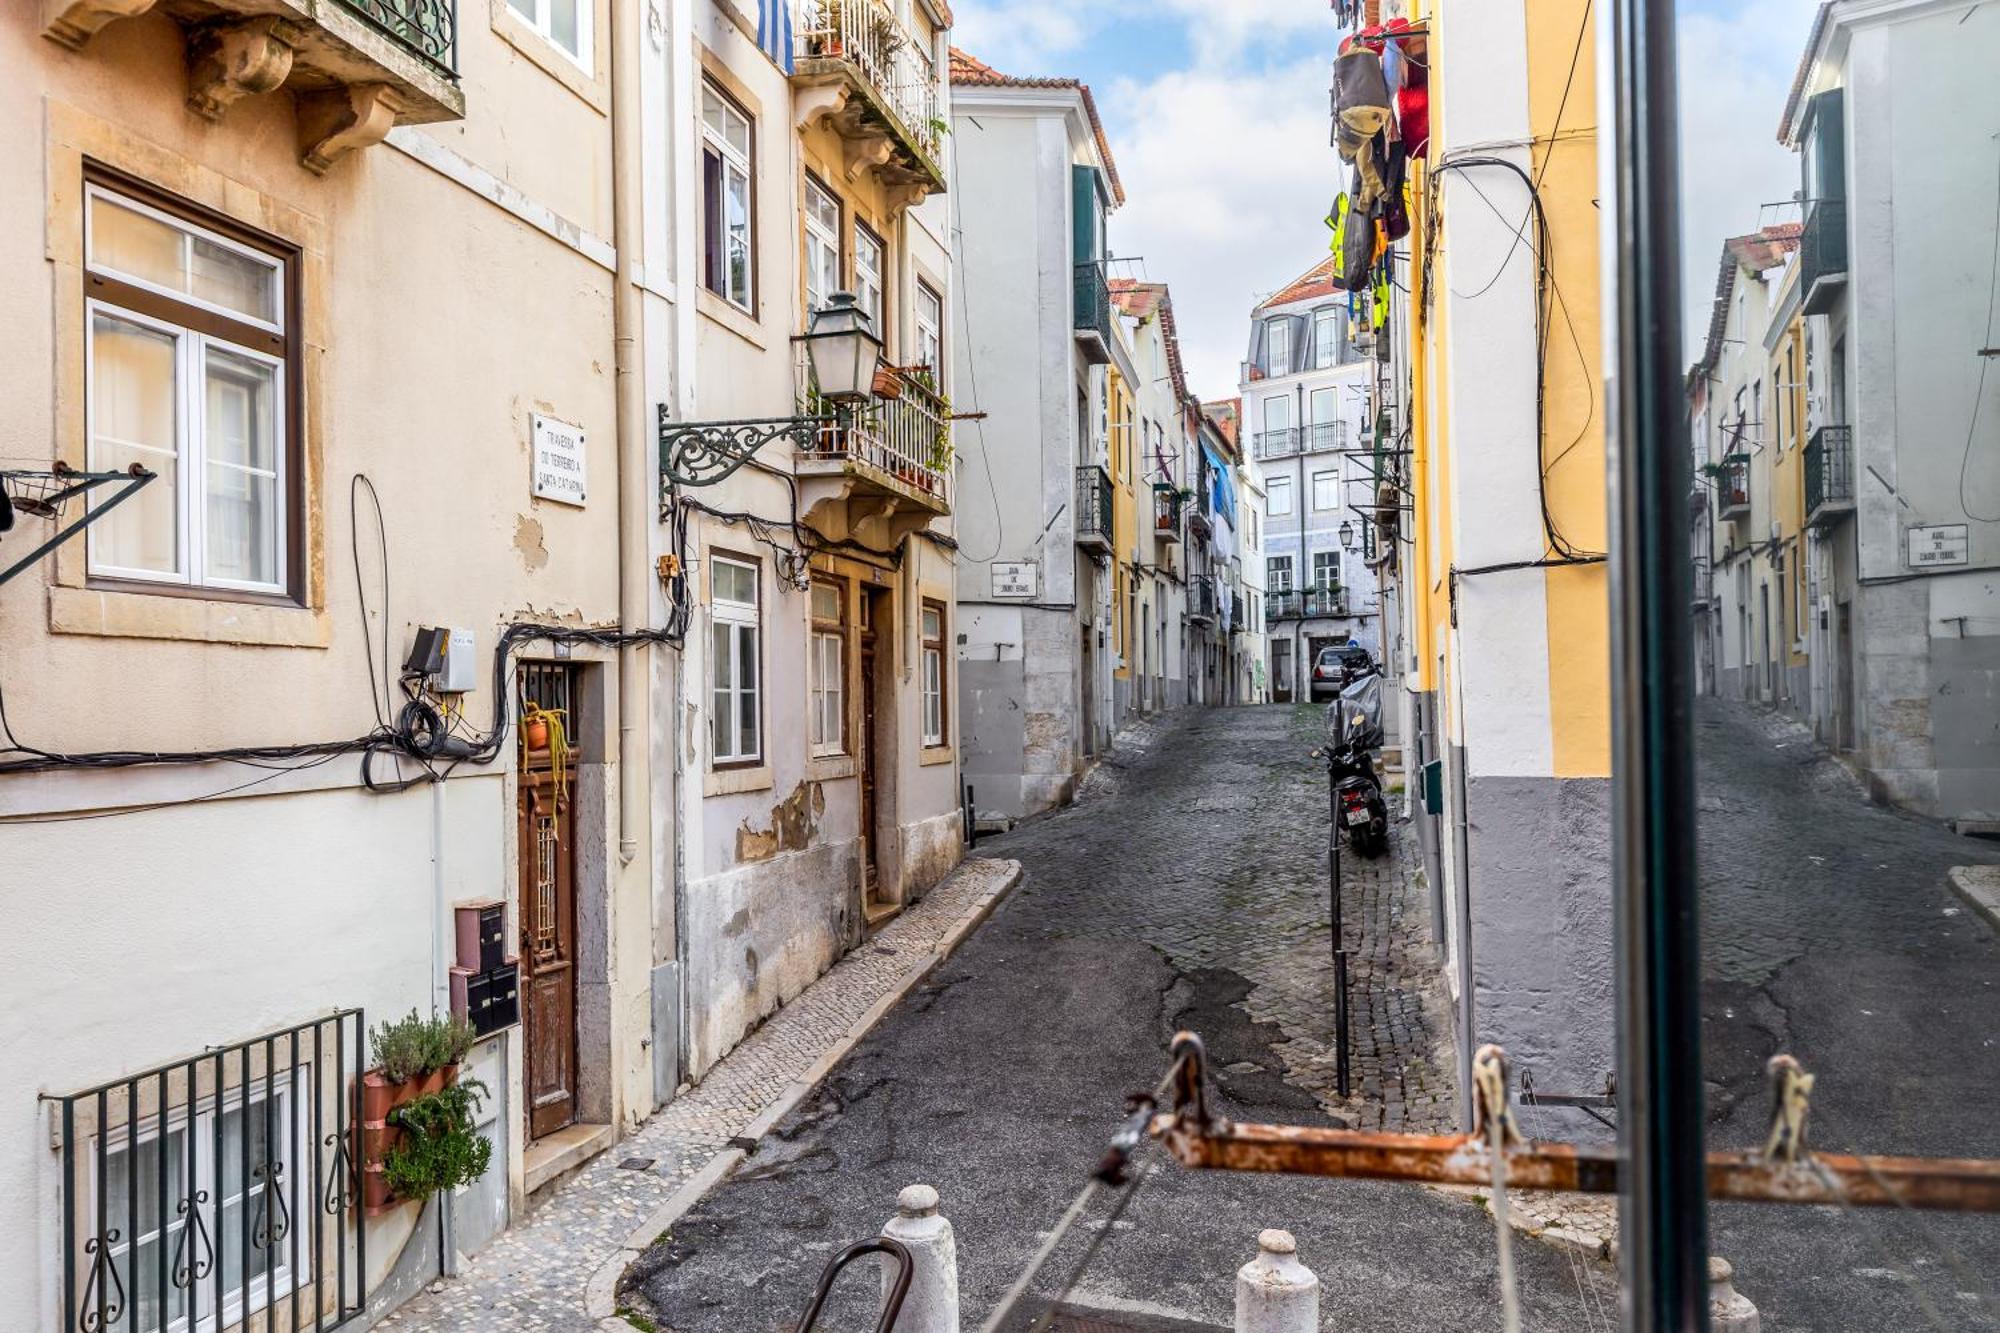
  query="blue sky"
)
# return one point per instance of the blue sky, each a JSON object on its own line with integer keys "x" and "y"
{"x": 1217, "y": 114}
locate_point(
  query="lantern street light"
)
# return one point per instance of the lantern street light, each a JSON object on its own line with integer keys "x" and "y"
{"x": 1346, "y": 535}
{"x": 844, "y": 352}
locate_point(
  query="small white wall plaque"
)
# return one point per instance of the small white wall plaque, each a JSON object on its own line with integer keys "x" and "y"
{"x": 1944, "y": 544}
{"x": 558, "y": 450}
{"x": 1016, "y": 578}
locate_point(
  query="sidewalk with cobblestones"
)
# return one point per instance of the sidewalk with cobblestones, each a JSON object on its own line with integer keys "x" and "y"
{"x": 554, "y": 1270}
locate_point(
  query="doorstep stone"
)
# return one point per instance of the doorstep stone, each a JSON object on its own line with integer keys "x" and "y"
{"x": 1980, "y": 887}
{"x": 554, "y": 1156}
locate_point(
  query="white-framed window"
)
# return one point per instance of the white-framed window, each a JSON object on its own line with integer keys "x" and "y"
{"x": 735, "y": 666}
{"x": 727, "y": 263}
{"x": 827, "y": 706}
{"x": 205, "y": 1163}
{"x": 1278, "y": 346}
{"x": 1326, "y": 337}
{"x": 868, "y": 276}
{"x": 1326, "y": 569}
{"x": 1326, "y": 490}
{"x": 822, "y": 245}
{"x": 186, "y": 374}
{"x": 930, "y": 331}
{"x": 1278, "y": 496}
{"x": 933, "y": 670}
{"x": 566, "y": 23}
{"x": 1278, "y": 573}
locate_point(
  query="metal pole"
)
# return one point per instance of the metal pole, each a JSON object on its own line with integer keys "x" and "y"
{"x": 1663, "y": 1209}
{"x": 1340, "y": 1064}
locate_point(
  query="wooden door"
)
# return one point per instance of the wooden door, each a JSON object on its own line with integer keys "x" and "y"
{"x": 548, "y": 924}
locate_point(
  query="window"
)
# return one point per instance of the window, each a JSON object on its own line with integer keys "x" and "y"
{"x": 1278, "y": 346}
{"x": 1326, "y": 490}
{"x": 1278, "y": 573}
{"x": 1278, "y": 496}
{"x": 868, "y": 276}
{"x": 827, "y": 718}
{"x": 187, "y": 373}
{"x": 822, "y": 246}
{"x": 566, "y": 23}
{"x": 726, "y": 261}
{"x": 1326, "y": 337}
{"x": 1326, "y": 569}
{"x": 933, "y": 664}
{"x": 213, "y": 1147}
{"x": 735, "y": 725}
{"x": 930, "y": 332}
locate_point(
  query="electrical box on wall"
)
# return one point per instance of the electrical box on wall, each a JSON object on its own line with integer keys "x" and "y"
{"x": 461, "y": 665}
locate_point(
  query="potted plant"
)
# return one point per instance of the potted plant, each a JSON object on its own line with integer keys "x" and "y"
{"x": 437, "y": 1147}
{"x": 888, "y": 382}
{"x": 414, "y": 1057}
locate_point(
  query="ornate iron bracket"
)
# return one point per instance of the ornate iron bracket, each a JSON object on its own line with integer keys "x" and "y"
{"x": 702, "y": 453}
{"x": 45, "y": 495}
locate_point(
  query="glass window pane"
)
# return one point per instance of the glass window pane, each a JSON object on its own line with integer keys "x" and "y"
{"x": 722, "y": 658}
{"x": 711, "y": 109}
{"x": 133, "y": 420}
{"x": 738, "y": 205}
{"x": 525, "y": 8}
{"x": 825, "y": 602}
{"x": 233, "y": 280}
{"x": 243, "y": 504}
{"x": 564, "y": 28}
{"x": 933, "y": 623}
{"x": 136, "y": 244}
{"x": 736, "y": 128}
{"x": 746, "y": 656}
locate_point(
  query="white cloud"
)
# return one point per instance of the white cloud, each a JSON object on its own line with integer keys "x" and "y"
{"x": 1021, "y": 36}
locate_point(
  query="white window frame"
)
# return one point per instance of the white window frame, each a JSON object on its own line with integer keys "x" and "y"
{"x": 537, "y": 15}
{"x": 1278, "y": 346}
{"x": 1328, "y": 561}
{"x": 297, "y": 1182}
{"x": 1275, "y": 490}
{"x": 742, "y": 619}
{"x": 930, "y": 329}
{"x": 821, "y": 244}
{"x": 1326, "y": 490}
{"x": 931, "y": 651}
{"x": 872, "y": 298}
{"x": 1326, "y": 318}
{"x": 826, "y": 700}
{"x": 191, "y": 407}
{"x": 1278, "y": 573}
{"x": 735, "y": 165}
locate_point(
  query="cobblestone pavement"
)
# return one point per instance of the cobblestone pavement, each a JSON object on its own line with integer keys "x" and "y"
{"x": 533, "y": 1276}
{"x": 1829, "y": 932}
{"x": 1186, "y": 889}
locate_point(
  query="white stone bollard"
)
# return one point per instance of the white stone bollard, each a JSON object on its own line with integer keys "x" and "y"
{"x": 1275, "y": 1293}
{"x": 932, "y": 1304}
{"x": 1729, "y": 1310}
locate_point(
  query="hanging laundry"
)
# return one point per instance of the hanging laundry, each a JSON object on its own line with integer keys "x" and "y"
{"x": 1412, "y": 86}
{"x": 1364, "y": 118}
{"x": 1395, "y": 203}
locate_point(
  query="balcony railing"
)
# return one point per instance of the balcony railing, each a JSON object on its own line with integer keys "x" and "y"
{"x": 863, "y": 44}
{"x": 1093, "y": 312}
{"x": 1277, "y": 443}
{"x": 1325, "y": 435}
{"x": 1823, "y": 255}
{"x": 1829, "y": 475}
{"x": 900, "y": 444}
{"x": 1167, "y": 515}
{"x": 1201, "y": 598}
{"x": 1093, "y": 508}
{"x": 1236, "y": 625}
{"x": 1322, "y": 600}
{"x": 1732, "y": 487}
{"x": 427, "y": 28}
{"x": 223, "y": 1184}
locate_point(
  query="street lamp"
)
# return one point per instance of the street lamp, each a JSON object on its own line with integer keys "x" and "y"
{"x": 1346, "y": 535}
{"x": 844, "y": 352}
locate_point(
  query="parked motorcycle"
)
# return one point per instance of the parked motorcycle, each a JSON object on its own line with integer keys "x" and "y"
{"x": 1353, "y": 733}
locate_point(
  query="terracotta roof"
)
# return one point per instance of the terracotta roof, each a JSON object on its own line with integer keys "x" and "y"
{"x": 1135, "y": 298}
{"x": 969, "y": 71}
{"x": 1227, "y": 416}
{"x": 1315, "y": 281}
{"x": 1753, "y": 252}
{"x": 1789, "y": 120}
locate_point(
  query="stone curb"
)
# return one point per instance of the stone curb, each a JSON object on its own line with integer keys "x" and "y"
{"x": 600, "y": 1293}
{"x": 1979, "y": 886}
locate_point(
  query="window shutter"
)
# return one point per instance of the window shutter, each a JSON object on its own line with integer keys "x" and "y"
{"x": 1258, "y": 345}
{"x": 1083, "y": 210}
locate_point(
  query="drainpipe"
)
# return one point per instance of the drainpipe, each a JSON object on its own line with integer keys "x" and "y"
{"x": 627, "y": 176}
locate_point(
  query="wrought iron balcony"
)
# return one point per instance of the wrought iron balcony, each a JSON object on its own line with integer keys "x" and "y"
{"x": 357, "y": 68}
{"x": 894, "y": 453}
{"x": 875, "y": 82}
{"x": 1201, "y": 599}
{"x": 1320, "y": 600}
{"x": 1166, "y": 514}
{"x": 1094, "y": 526}
{"x": 1093, "y": 312}
{"x": 1277, "y": 443}
{"x": 1732, "y": 487}
{"x": 228, "y": 1183}
{"x": 1323, "y": 436}
{"x": 1236, "y": 625}
{"x": 1703, "y": 581}
{"x": 1829, "y": 475}
{"x": 1823, "y": 255}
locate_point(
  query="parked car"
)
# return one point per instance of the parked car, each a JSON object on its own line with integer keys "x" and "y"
{"x": 1337, "y": 667}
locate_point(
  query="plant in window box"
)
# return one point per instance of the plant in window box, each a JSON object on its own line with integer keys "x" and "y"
{"x": 437, "y": 1147}
{"x": 888, "y": 382}
{"x": 414, "y": 1057}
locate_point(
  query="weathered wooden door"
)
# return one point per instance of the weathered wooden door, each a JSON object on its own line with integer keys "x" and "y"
{"x": 548, "y": 922}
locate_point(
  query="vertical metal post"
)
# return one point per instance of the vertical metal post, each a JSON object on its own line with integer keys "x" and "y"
{"x": 1340, "y": 1065}
{"x": 1663, "y": 1209}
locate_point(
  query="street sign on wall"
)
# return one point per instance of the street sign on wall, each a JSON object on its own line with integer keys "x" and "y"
{"x": 558, "y": 459}
{"x": 1016, "y": 578}
{"x": 1944, "y": 544}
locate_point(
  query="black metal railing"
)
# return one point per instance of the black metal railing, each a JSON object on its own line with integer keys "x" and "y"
{"x": 1093, "y": 507}
{"x": 1167, "y": 515}
{"x": 1277, "y": 443}
{"x": 1320, "y": 600}
{"x": 428, "y": 28}
{"x": 1201, "y": 598}
{"x": 1236, "y": 625}
{"x": 1732, "y": 487}
{"x": 1093, "y": 301}
{"x": 225, "y": 1184}
{"x": 1325, "y": 435}
{"x": 1823, "y": 253}
{"x": 1829, "y": 473}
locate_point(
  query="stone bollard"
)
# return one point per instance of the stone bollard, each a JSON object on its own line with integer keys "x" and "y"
{"x": 932, "y": 1305}
{"x": 1275, "y": 1293}
{"x": 1729, "y": 1310}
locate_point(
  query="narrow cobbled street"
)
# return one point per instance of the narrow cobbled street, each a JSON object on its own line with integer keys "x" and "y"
{"x": 1185, "y": 890}
{"x": 1829, "y": 933}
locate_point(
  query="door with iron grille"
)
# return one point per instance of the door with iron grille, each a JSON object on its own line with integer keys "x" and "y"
{"x": 547, "y": 823}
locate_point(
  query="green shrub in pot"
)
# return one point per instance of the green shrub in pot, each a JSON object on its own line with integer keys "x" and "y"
{"x": 439, "y": 1149}
{"x": 413, "y": 1046}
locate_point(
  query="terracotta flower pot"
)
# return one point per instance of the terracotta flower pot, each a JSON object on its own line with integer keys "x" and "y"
{"x": 888, "y": 384}
{"x": 535, "y": 733}
{"x": 378, "y": 1098}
